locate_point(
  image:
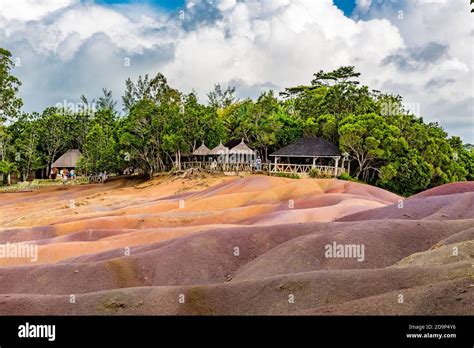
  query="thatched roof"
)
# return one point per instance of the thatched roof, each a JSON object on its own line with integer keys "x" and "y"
{"x": 241, "y": 148}
{"x": 219, "y": 150}
{"x": 201, "y": 151}
{"x": 309, "y": 147}
{"x": 68, "y": 160}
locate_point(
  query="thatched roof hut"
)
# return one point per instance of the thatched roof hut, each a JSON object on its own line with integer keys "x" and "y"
{"x": 68, "y": 160}
{"x": 201, "y": 150}
{"x": 219, "y": 150}
{"x": 241, "y": 149}
{"x": 309, "y": 147}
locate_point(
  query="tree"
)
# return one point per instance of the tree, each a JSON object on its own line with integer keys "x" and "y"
{"x": 200, "y": 123}
{"x": 100, "y": 151}
{"x": 341, "y": 76}
{"x": 106, "y": 101}
{"x": 10, "y": 104}
{"x": 141, "y": 136}
{"x": 54, "y": 133}
{"x": 263, "y": 122}
{"x": 368, "y": 139}
{"x": 135, "y": 92}
{"x": 406, "y": 175}
{"x": 6, "y": 166}
{"x": 27, "y": 136}
{"x": 156, "y": 89}
{"x": 219, "y": 99}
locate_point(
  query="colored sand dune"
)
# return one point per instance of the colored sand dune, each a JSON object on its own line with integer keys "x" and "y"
{"x": 230, "y": 245}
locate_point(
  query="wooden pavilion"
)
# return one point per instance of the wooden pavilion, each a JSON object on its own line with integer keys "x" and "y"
{"x": 220, "y": 152}
{"x": 201, "y": 152}
{"x": 306, "y": 154}
{"x": 68, "y": 160}
{"x": 241, "y": 153}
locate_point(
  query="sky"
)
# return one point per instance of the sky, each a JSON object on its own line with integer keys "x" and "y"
{"x": 419, "y": 49}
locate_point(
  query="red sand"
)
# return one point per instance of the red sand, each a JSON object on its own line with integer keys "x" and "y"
{"x": 235, "y": 246}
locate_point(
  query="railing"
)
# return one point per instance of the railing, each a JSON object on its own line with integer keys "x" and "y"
{"x": 264, "y": 167}
{"x": 305, "y": 169}
{"x": 219, "y": 166}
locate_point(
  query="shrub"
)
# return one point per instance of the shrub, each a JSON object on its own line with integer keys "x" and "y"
{"x": 315, "y": 173}
{"x": 287, "y": 175}
{"x": 345, "y": 176}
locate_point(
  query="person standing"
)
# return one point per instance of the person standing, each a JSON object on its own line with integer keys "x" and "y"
{"x": 258, "y": 164}
{"x": 65, "y": 174}
{"x": 54, "y": 173}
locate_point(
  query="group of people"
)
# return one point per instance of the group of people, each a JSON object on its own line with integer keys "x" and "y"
{"x": 64, "y": 174}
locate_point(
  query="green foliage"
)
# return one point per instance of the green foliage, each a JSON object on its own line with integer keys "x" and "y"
{"x": 345, "y": 176}
{"x": 26, "y": 135}
{"x": 100, "y": 152}
{"x": 142, "y": 136}
{"x": 219, "y": 99}
{"x": 407, "y": 175}
{"x": 10, "y": 104}
{"x": 287, "y": 175}
{"x": 7, "y": 167}
{"x": 386, "y": 145}
{"x": 315, "y": 173}
{"x": 55, "y": 129}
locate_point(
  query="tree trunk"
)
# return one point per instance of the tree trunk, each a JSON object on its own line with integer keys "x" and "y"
{"x": 179, "y": 159}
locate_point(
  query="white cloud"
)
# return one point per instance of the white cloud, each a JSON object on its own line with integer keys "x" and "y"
{"x": 261, "y": 42}
{"x": 27, "y": 10}
{"x": 226, "y": 5}
{"x": 363, "y": 5}
{"x": 70, "y": 48}
{"x": 443, "y": 22}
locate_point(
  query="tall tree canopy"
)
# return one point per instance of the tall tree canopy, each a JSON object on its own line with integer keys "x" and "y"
{"x": 10, "y": 103}
{"x": 386, "y": 144}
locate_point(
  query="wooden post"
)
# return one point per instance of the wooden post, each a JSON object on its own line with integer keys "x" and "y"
{"x": 336, "y": 166}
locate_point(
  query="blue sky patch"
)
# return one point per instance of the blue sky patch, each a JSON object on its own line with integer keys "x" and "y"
{"x": 347, "y": 6}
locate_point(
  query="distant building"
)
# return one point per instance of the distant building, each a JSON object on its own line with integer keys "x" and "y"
{"x": 241, "y": 153}
{"x": 220, "y": 152}
{"x": 305, "y": 152}
{"x": 201, "y": 151}
{"x": 68, "y": 160}
{"x": 234, "y": 151}
{"x": 303, "y": 157}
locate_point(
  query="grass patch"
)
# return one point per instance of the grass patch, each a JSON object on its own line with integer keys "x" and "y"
{"x": 287, "y": 175}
